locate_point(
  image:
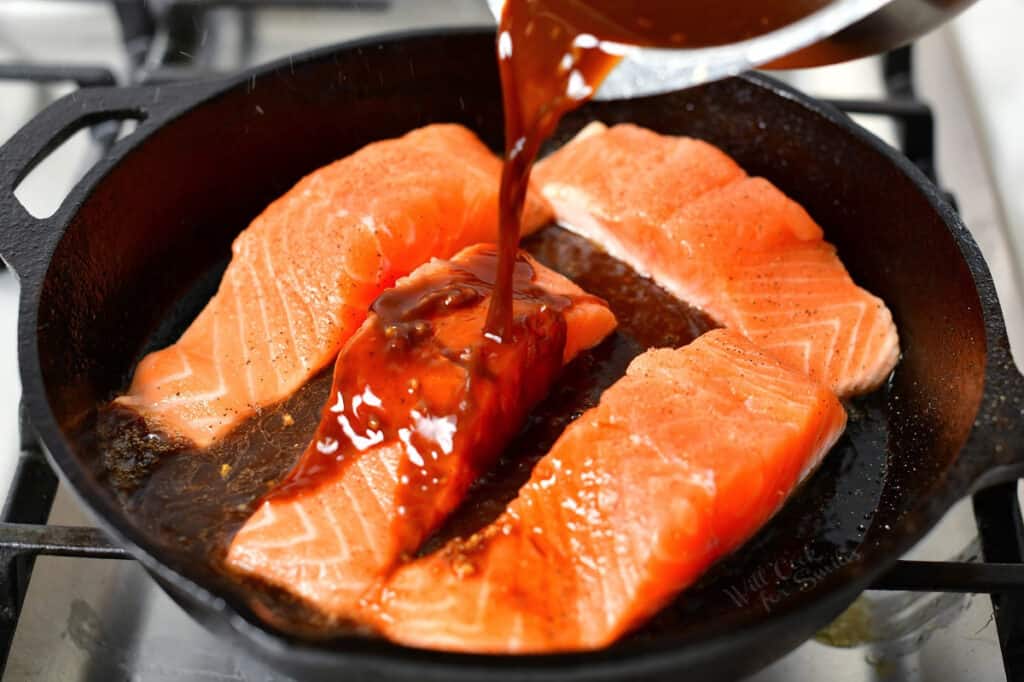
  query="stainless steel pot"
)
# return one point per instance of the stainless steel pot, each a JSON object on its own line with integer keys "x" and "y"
{"x": 840, "y": 31}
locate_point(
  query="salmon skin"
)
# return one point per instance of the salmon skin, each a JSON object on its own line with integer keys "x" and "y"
{"x": 682, "y": 212}
{"x": 304, "y": 272}
{"x": 681, "y": 462}
{"x": 422, "y": 403}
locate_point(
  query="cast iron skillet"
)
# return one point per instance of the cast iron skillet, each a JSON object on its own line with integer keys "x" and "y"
{"x": 109, "y": 268}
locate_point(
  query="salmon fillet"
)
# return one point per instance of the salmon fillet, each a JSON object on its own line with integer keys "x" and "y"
{"x": 422, "y": 403}
{"x": 680, "y": 211}
{"x": 303, "y": 273}
{"x": 681, "y": 462}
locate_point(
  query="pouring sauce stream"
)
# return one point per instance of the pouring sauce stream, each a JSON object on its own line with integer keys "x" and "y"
{"x": 554, "y": 54}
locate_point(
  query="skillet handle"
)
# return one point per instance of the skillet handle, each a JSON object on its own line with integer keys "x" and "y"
{"x": 995, "y": 451}
{"x": 24, "y": 239}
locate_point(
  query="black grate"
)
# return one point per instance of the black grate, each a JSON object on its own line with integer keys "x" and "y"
{"x": 1001, "y": 528}
{"x": 24, "y": 534}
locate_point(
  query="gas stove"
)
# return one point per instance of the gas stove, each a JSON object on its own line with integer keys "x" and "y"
{"x": 83, "y": 610}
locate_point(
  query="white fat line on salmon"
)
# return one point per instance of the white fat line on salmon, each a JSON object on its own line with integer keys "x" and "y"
{"x": 370, "y": 539}
{"x": 185, "y": 373}
{"x": 283, "y": 302}
{"x": 268, "y": 332}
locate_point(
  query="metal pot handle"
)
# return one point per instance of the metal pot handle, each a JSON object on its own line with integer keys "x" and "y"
{"x": 24, "y": 238}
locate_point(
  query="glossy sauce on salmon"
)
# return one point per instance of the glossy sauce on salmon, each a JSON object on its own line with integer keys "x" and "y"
{"x": 391, "y": 387}
{"x": 554, "y": 54}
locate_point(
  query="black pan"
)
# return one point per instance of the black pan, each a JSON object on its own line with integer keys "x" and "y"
{"x": 108, "y": 270}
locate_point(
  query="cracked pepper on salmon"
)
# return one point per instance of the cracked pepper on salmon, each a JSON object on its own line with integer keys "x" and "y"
{"x": 303, "y": 274}
{"x": 681, "y": 462}
{"x": 682, "y": 212}
{"x": 422, "y": 403}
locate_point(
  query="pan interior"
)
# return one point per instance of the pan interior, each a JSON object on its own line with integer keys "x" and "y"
{"x": 160, "y": 224}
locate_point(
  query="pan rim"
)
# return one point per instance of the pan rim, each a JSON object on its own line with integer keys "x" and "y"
{"x": 649, "y": 657}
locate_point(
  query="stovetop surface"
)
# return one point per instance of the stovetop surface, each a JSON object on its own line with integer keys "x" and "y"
{"x": 86, "y": 620}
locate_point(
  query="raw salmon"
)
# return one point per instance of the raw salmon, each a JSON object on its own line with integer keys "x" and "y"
{"x": 682, "y": 461}
{"x": 422, "y": 403}
{"x": 680, "y": 211}
{"x": 303, "y": 273}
